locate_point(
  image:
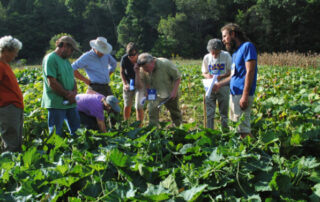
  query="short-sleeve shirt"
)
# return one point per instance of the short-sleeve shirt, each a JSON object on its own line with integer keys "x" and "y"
{"x": 244, "y": 53}
{"x": 162, "y": 78}
{"x": 91, "y": 105}
{"x": 216, "y": 66}
{"x": 10, "y": 93}
{"x": 127, "y": 66}
{"x": 97, "y": 68}
{"x": 55, "y": 66}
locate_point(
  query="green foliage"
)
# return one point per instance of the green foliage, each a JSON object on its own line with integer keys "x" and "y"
{"x": 188, "y": 163}
{"x": 166, "y": 27}
{"x": 53, "y": 40}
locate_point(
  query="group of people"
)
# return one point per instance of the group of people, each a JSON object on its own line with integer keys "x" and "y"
{"x": 237, "y": 77}
{"x": 144, "y": 78}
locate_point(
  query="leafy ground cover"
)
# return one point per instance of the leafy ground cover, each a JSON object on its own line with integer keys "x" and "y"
{"x": 189, "y": 163}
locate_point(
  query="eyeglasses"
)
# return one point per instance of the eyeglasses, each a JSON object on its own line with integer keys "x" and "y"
{"x": 141, "y": 63}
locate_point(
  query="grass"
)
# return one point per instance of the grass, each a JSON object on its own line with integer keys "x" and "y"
{"x": 195, "y": 112}
{"x": 287, "y": 59}
{"x": 290, "y": 59}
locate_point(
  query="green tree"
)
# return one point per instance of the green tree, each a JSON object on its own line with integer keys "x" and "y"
{"x": 100, "y": 19}
{"x": 174, "y": 38}
{"x": 194, "y": 24}
{"x": 283, "y": 25}
{"x": 141, "y": 21}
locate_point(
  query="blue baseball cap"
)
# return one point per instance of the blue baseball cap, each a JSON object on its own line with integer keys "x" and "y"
{"x": 113, "y": 102}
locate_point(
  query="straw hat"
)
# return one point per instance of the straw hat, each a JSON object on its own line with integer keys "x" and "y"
{"x": 101, "y": 44}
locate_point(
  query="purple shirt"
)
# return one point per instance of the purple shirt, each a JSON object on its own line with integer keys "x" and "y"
{"x": 91, "y": 105}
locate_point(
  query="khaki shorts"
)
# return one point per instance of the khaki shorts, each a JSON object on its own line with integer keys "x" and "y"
{"x": 137, "y": 95}
{"x": 236, "y": 113}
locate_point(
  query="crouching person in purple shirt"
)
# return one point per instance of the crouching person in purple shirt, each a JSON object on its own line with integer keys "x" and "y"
{"x": 91, "y": 110}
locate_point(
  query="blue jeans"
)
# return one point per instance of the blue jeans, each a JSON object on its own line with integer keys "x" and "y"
{"x": 56, "y": 117}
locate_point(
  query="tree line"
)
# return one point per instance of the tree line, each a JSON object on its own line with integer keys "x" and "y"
{"x": 163, "y": 27}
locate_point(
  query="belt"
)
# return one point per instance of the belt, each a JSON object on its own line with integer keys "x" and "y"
{"x": 99, "y": 84}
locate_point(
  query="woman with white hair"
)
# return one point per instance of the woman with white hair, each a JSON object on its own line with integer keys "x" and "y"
{"x": 11, "y": 99}
{"x": 217, "y": 63}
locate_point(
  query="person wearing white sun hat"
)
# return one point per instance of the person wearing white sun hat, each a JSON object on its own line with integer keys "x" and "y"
{"x": 98, "y": 64}
{"x": 101, "y": 44}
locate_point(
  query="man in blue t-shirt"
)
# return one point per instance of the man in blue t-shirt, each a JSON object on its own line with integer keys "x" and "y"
{"x": 243, "y": 77}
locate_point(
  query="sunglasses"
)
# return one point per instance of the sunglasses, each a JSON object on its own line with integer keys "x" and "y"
{"x": 133, "y": 54}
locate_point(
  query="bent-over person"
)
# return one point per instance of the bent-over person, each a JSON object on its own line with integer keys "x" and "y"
{"x": 161, "y": 78}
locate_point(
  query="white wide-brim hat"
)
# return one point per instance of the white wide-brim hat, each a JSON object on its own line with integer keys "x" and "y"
{"x": 101, "y": 44}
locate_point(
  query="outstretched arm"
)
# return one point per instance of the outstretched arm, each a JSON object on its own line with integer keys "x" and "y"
{"x": 79, "y": 76}
{"x": 174, "y": 91}
{"x": 250, "y": 67}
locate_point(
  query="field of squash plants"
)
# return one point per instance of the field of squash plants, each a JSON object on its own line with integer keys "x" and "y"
{"x": 189, "y": 163}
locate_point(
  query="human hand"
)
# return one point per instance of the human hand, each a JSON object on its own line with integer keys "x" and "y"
{"x": 88, "y": 82}
{"x": 126, "y": 87}
{"x": 244, "y": 102}
{"x": 71, "y": 97}
{"x": 216, "y": 87}
{"x": 136, "y": 68}
{"x": 208, "y": 76}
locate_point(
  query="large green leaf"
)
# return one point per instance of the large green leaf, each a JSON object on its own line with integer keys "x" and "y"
{"x": 157, "y": 193}
{"x": 170, "y": 184}
{"x": 193, "y": 193}
{"x": 65, "y": 181}
{"x": 118, "y": 158}
{"x": 214, "y": 156}
{"x": 316, "y": 193}
{"x": 30, "y": 156}
{"x": 281, "y": 182}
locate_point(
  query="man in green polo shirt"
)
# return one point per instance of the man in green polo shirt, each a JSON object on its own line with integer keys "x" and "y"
{"x": 161, "y": 78}
{"x": 60, "y": 88}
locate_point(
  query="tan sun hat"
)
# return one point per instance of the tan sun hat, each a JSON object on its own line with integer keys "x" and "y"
{"x": 101, "y": 44}
{"x": 71, "y": 41}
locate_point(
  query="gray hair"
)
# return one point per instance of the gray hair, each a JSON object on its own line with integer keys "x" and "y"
{"x": 9, "y": 43}
{"x": 144, "y": 58}
{"x": 214, "y": 44}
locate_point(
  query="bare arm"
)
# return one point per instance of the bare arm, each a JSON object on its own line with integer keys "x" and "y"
{"x": 204, "y": 69}
{"x": 59, "y": 89}
{"x": 207, "y": 75}
{"x": 112, "y": 64}
{"x": 224, "y": 82}
{"x": 250, "y": 68}
{"x": 174, "y": 91}
{"x": 124, "y": 81}
{"x": 223, "y": 76}
{"x": 79, "y": 76}
{"x": 138, "y": 82}
{"x": 102, "y": 126}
